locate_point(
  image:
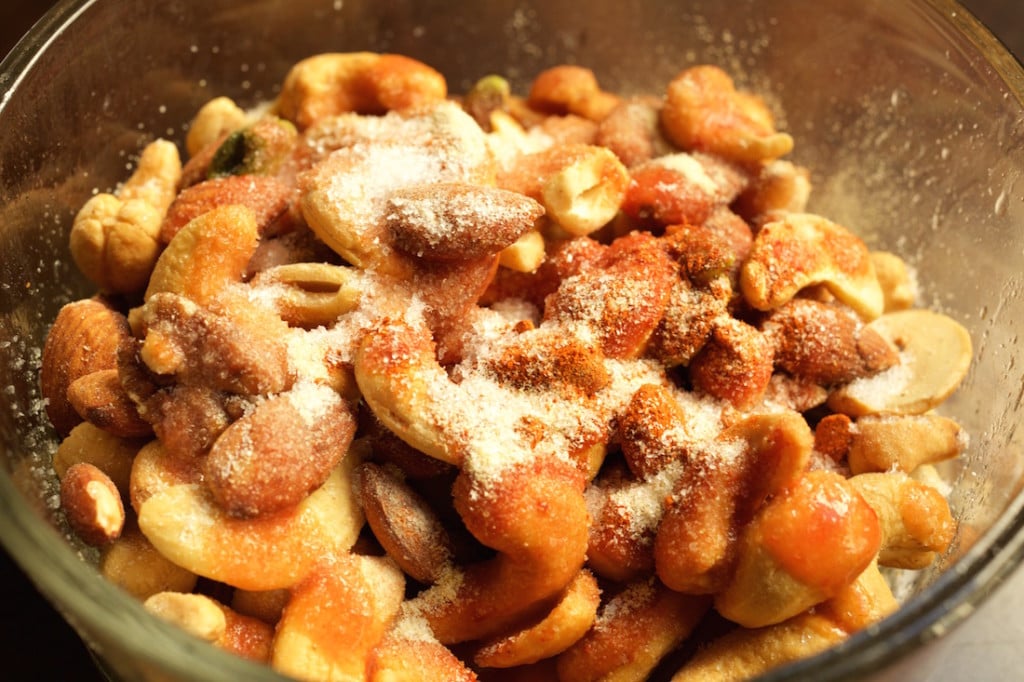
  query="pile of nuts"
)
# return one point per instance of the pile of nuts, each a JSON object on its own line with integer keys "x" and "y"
{"x": 384, "y": 383}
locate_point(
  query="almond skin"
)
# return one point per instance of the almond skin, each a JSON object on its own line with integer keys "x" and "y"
{"x": 92, "y": 504}
{"x": 84, "y": 339}
{"x": 274, "y": 457}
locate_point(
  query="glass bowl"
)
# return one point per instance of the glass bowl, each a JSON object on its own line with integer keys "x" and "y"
{"x": 909, "y": 113}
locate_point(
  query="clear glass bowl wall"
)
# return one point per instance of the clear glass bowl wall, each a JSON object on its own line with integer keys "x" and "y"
{"x": 908, "y": 113}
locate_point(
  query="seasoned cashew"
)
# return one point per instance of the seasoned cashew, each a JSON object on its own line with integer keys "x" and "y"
{"x": 800, "y": 249}
{"x": 115, "y": 238}
{"x": 803, "y": 547}
{"x": 409, "y": 652}
{"x": 212, "y": 122}
{"x": 312, "y": 643}
{"x": 581, "y": 186}
{"x": 778, "y": 186}
{"x": 571, "y": 89}
{"x": 935, "y": 354}
{"x": 696, "y": 546}
{"x": 897, "y": 280}
{"x": 310, "y": 294}
{"x": 559, "y": 629}
{"x": 209, "y": 253}
{"x": 703, "y": 110}
{"x": 915, "y": 518}
{"x": 265, "y": 553}
{"x": 368, "y": 83}
{"x": 634, "y": 630}
{"x": 744, "y": 654}
{"x": 902, "y": 442}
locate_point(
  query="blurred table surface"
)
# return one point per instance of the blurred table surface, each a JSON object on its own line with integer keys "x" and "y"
{"x": 36, "y": 644}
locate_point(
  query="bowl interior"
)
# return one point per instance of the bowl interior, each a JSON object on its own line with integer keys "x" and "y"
{"x": 908, "y": 113}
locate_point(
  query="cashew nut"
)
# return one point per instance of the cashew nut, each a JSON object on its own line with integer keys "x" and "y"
{"x": 115, "y": 239}
{"x": 704, "y": 111}
{"x": 902, "y": 442}
{"x": 365, "y": 82}
{"x": 801, "y": 249}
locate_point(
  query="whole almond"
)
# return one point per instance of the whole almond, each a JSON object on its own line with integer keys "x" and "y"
{"x": 274, "y": 457}
{"x": 92, "y": 504}
{"x": 267, "y": 197}
{"x": 84, "y": 339}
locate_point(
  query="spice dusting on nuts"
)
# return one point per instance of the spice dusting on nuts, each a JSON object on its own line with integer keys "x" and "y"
{"x": 430, "y": 385}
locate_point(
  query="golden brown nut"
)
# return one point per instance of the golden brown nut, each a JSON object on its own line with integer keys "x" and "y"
{"x": 734, "y": 365}
{"x": 92, "y": 504}
{"x": 273, "y": 457}
{"x": 915, "y": 518}
{"x": 935, "y": 353}
{"x": 328, "y": 84}
{"x": 84, "y": 339}
{"x": 100, "y": 399}
{"x": 802, "y": 548}
{"x": 566, "y": 622}
{"x": 798, "y": 250}
{"x": 633, "y": 631}
{"x": 902, "y": 443}
{"x": 704, "y": 111}
{"x": 312, "y": 643}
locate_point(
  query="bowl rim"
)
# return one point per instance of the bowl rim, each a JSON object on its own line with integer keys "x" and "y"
{"x": 93, "y": 605}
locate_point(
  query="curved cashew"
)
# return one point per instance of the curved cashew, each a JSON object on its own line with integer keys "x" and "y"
{"x": 800, "y": 249}
{"x": 902, "y": 443}
{"x": 803, "y": 547}
{"x": 115, "y": 239}
{"x": 704, "y": 110}
{"x": 935, "y": 355}
{"x": 365, "y": 82}
{"x": 745, "y": 654}
{"x": 634, "y": 630}
{"x": 915, "y": 518}
{"x": 409, "y": 652}
{"x": 398, "y": 374}
{"x": 265, "y": 553}
{"x": 206, "y": 255}
{"x": 695, "y": 546}
{"x": 570, "y": 89}
{"x": 560, "y": 628}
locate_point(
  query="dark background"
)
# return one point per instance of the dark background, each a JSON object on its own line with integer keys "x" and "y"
{"x": 35, "y": 643}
